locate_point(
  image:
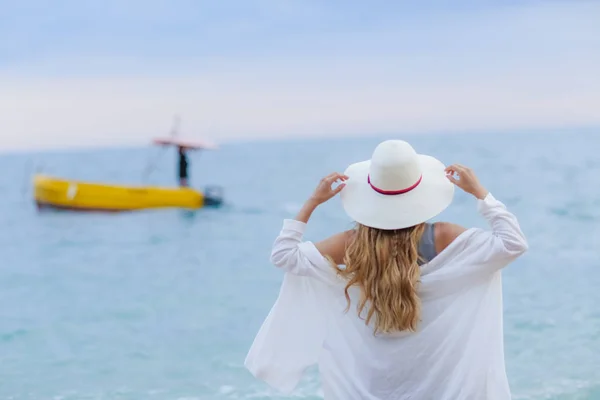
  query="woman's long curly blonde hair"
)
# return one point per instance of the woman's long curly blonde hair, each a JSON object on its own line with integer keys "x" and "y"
{"x": 384, "y": 265}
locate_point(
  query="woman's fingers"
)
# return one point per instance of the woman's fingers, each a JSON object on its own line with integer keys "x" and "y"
{"x": 459, "y": 169}
{"x": 332, "y": 177}
{"x": 326, "y": 178}
{"x": 456, "y": 168}
{"x": 450, "y": 171}
{"x": 341, "y": 177}
{"x": 463, "y": 172}
{"x": 339, "y": 188}
{"x": 467, "y": 180}
{"x": 335, "y": 176}
{"x": 326, "y": 189}
{"x": 452, "y": 179}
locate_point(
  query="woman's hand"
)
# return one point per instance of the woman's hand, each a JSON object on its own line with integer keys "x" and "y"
{"x": 322, "y": 193}
{"x": 325, "y": 191}
{"x": 467, "y": 180}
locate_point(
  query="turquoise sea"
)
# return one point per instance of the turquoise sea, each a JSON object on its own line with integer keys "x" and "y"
{"x": 163, "y": 305}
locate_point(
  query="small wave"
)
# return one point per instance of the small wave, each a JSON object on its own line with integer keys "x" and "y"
{"x": 563, "y": 390}
{"x": 578, "y": 214}
{"x": 226, "y": 389}
{"x": 13, "y": 335}
{"x": 252, "y": 210}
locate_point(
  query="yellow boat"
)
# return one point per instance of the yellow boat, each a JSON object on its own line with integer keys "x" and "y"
{"x": 74, "y": 195}
{"x": 58, "y": 193}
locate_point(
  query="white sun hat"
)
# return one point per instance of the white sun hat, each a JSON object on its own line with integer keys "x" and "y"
{"x": 397, "y": 188}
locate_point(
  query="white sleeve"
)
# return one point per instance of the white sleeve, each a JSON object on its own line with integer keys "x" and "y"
{"x": 505, "y": 242}
{"x": 293, "y": 255}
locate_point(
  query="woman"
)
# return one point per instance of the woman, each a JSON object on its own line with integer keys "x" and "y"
{"x": 397, "y": 308}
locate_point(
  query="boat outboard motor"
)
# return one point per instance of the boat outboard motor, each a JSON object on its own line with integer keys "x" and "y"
{"x": 213, "y": 196}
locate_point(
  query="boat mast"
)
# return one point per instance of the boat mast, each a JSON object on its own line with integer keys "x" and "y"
{"x": 152, "y": 164}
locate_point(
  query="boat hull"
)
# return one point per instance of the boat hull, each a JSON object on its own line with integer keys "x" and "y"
{"x": 86, "y": 196}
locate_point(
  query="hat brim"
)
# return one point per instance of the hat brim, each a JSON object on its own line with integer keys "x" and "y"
{"x": 370, "y": 208}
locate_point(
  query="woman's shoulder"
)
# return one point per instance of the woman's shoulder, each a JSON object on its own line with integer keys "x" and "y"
{"x": 334, "y": 247}
{"x": 445, "y": 233}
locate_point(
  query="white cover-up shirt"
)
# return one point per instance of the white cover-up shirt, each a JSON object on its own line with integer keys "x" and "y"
{"x": 457, "y": 352}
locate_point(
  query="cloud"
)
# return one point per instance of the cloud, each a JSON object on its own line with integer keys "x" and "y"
{"x": 524, "y": 66}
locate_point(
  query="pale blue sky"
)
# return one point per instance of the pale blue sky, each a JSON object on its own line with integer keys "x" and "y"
{"x": 76, "y": 72}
